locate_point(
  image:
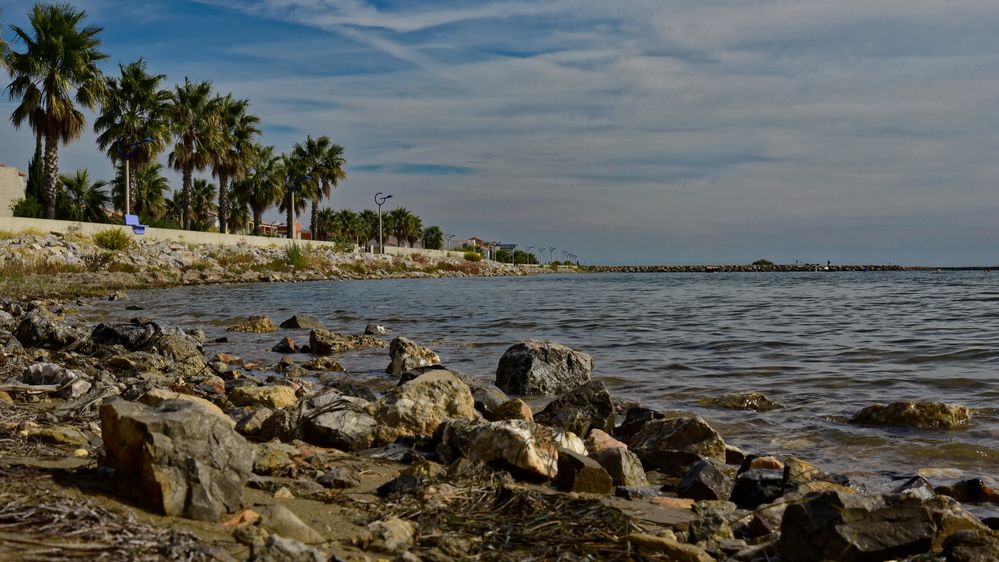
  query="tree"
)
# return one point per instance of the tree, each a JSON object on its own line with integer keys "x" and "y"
{"x": 134, "y": 109}
{"x": 368, "y": 227}
{"x": 263, "y": 185}
{"x": 193, "y": 116}
{"x": 433, "y": 238}
{"x": 238, "y": 216}
{"x": 234, "y": 153}
{"x": 82, "y": 200}
{"x": 297, "y": 185}
{"x": 414, "y": 229}
{"x": 202, "y": 205}
{"x": 404, "y": 225}
{"x": 56, "y": 71}
{"x": 324, "y": 161}
{"x": 148, "y": 192}
{"x": 349, "y": 227}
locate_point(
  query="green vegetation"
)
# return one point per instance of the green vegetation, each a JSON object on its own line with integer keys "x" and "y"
{"x": 296, "y": 257}
{"x": 433, "y": 238}
{"x": 473, "y": 256}
{"x": 113, "y": 239}
{"x": 763, "y": 263}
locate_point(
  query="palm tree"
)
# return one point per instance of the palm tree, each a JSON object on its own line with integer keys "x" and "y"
{"x": 325, "y": 224}
{"x": 194, "y": 117}
{"x": 414, "y": 229}
{"x": 82, "y": 200}
{"x": 404, "y": 225}
{"x": 148, "y": 192}
{"x": 348, "y": 225}
{"x": 369, "y": 225}
{"x": 56, "y": 71}
{"x": 172, "y": 209}
{"x": 433, "y": 238}
{"x": 298, "y": 186}
{"x": 238, "y": 216}
{"x": 134, "y": 109}
{"x": 263, "y": 184}
{"x": 234, "y": 152}
{"x": 202, "y": 204}
{"x": 325, "y": 163}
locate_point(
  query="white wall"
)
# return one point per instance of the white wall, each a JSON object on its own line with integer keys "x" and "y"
{"x": 11, "y": 189}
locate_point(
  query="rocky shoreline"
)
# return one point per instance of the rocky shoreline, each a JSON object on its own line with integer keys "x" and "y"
{"x": 124, "y": 441}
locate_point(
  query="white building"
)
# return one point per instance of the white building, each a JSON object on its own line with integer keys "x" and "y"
{"x": 12, "y": 186}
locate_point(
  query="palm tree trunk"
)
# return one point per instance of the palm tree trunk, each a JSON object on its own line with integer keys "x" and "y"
{"x": 51, "y": 175}
{"x": 315, "y": 218}
{"x": 223, "y": 202}
{"x": 185, "y": 197}
{"x": 291, "y": 217}
{"x": 257, "y": 219}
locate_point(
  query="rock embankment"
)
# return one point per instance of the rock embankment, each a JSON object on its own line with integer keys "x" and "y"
{"x": 786, "y": 268}
{"x": 300, "y": 462}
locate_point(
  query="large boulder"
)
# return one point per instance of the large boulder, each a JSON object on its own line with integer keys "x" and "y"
{"x": 674, "y": 445}
{"x": 407, "y": 354}
{"x": 526, "y": 448}
{"x": 536, "y": 367}
{"x": 334, "y": 420}
{"x": 581, "y": 409}
{"x": 925, "y": 415}
{"x": 325, "y": 342}
{"x": 39, "y": 328}
{"x": 850, "y": 527}
{"x": 177, "y": 458}
{"x": 420, "y": 405}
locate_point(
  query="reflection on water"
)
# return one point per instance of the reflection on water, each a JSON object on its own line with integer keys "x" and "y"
{"x": 822, "y": 344}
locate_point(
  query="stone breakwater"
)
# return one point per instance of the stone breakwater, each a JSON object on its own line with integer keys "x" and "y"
{"x": 55, "y": 264}
{"x": 126, "y": 434}
{"x": 802, "y": 268}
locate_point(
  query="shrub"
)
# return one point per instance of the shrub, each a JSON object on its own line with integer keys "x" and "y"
{"x": 763, "y": 263}
{"x": 113, "y": 239}
{"x": 473, "y": 256}
{"x": 27, "y": 208}
{"x": 296, "y": 256}
{"x": 98, "y": 261}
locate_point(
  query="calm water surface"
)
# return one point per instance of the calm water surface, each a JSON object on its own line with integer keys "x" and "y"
{"x": 824, "y": 345}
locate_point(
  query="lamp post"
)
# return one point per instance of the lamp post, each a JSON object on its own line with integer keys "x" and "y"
{"x": 126, "y": 151}
{"x": 380, "y": 199}
{"x": 448, "y": 238}
{"x": 551, "y": 254}
{"x": 529, "y": 248}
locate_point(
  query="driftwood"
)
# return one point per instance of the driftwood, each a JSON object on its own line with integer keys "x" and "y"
{"x": 21, "y": 388}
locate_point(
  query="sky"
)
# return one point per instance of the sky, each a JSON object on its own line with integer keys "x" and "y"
{"x": 627, "y": 132}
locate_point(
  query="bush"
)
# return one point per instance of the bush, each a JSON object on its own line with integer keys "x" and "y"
{"x": 113, "y": 239}
{"x": 763, "y": 263}
{"x": 27, "y": 208}
{"x": 296, "y": 256}
{"x": 473, "y": 256}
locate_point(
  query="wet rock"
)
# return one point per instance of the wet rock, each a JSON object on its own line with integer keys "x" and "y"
{"x": 339, "y": 479}
{"x": 325, "y": 342}
{"x": 515, "y": 409}
{"x": 623, "y": 466}
{"x": 758, "y": 486}
{"x": 132, "y": 336}
{"x": 282, "y": 521}
{"x": 391, "y": 535}
{"x": 157, "y": 396}
{"x": 407, "y": 354}
{"x": 973, "y": 490}
{"x": 972, "y": 546}
{"x": 734, "y": 455}
{"x": 323, "y": 364}
{"x": 254, "y": 325}
{"x": 176, "y": 458}
{"x": 535, "y": 367}
{"x": 849, "y": 527}
{"x": 279, "y": 549}
{"x": 275, "y": 397}
{"x": 634, "y": 419}
{"x": 302, "y": 322}
{"x": 334, "y": 420}
{"x": 419, "y": 406}
{"x": 705, "y": 481}
{"x": 585, "y": 407}
{"x": 286, "y": 345}
{"x": 581, "y": 474}
{"x": 755, "y": 401}
{"x": 950, "y": 517}
{"x": 40, "y": 328}
{"x": 375, "y": 330}
{"x": 674, "y": 445}
{"x": 766, "y": 462}
{"x": 924, "y": 415}
{"x": 598, "y": 441}
{"x": 801, "y": 475}
{"x": 637, "y": 492}
{"x": 71, "y": 384}
{"x": 917, "y": 487}
{"x": 667, "y": 548}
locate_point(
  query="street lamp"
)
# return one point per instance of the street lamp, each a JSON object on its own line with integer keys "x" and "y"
{"x": 126, "y": 151}
{"x": 292, "y": 189}
{"x": 529, "y": 248}
{"x": 551, "y": 254}
{"x": 380, "y": 199}
{"x": 448, "y": 238}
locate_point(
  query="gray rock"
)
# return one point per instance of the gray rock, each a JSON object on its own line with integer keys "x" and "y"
{"x": 280, "y": 549}
{"x": 624, "y": 467}
{"x": 853, "y": 528}
{"x": 391, "y": 535}
{"x": 251, "y": 424}
{"x": 704, "y": 481}
{"x": 583, "y": 408}
{"x": 917, "y": 487}
{"x": 334, "y": 420}
{"x": 674, "y": 445}
{"x": 579, "y": 473}
{"x": 419, "y": 406}
{"x": 339, "y": 479}
{"x": 282, "y": 521}
{"x": 7, "y": 321}
{"x": 535, "y": 367}
{"x": 634, "y": 419}
{"x": 133, "y": 336}
{"x": 325, "y": 342}
{"x": 407, "y": 354}
{"x": 972, "y": 546}
{"x": 39, "y": 328}
{"x": 375, "y": 330}
{"x": 177, "y": 458}
{"x": 486, "y": 395}
{"x": 302, "y": 322}
{"x": 758, "y": 486}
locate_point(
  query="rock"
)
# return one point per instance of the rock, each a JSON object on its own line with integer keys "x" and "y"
{"x": 251, "y": 424}
{"x": 634, "y": 419}
{"x": 176, "y": 458}
{"x": 705, "y": 481}
{"x": 623, "y": 466}
{"x": 972, "y": 546}
{"x": 598, "y": 441}
{"x": 734, "y": 455}
{"x": 950, "y": 517}
{"x": 286, "y": 345}
{"x": 254, "y": 325}
{"x": 323, "y": 364}
{"x": 39, "y": 328}
{"x": 61, "y": 435}
{"x": 339, "y": 479}
{"x": 579, "y": 473}
{"x": 487, "y": 396}
{"x": 917, "y": 487}
{"x": 5, "y": 398}
{"x": 80, "y": 453}
{"x": 391, "y": 535}
{"x": 585, "y": 407}
{"x": 755, "y": 401}
{"x": 849, "y": 527}
{"x": 407, "y": 354}
{"x": 515, "y": 409}
{"x": 375, "y": 330}
{"x": 325, "y": 342}
{"x": 527, "y": 448}
{"x": 758, "y": 486}
{"x": 924, "y": 415}
{"x": 422, "y": 404}
{"x": 281, "y": 520}
{"x": 157, "y": 396}
{"x": 766, "y": 462}
{"x": 535, "y": 367}
{"x": 280, "y": 549}
{"x": 275, "y": 397}
{"x": 7, "y": 322}
{"x": 667, "y": 549}
{"x": 132, "y": 336}
{"x": 302, "y": 322}
{"x": 70, "y": 383}
{"x": 343, "y": 425}
{"x": 973, "y": 490}
{"x": 674, "y": 445}
{"x": 182, "y": 354}
{"x": 273, "y": 459}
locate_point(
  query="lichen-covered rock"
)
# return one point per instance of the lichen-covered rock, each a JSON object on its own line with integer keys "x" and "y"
{"x": 536, "y": 367}
{"x": 515, "y": 409}
{"x": 419, "y": 406}
{"x": 924, "y": 415}
{"x": 254, "y": 325}
{"x": 275, "y": 397}
{"x": 674, "y": 445}
{"x": 756, "y": 401}
{"x": 176, "y": 458}
{"x": 325, "y": 342}
{"x": 407, "y": 354}
{"x": 583, "y": 408}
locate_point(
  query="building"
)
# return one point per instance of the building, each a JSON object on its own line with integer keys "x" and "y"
{"x": 12, "y": 187}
